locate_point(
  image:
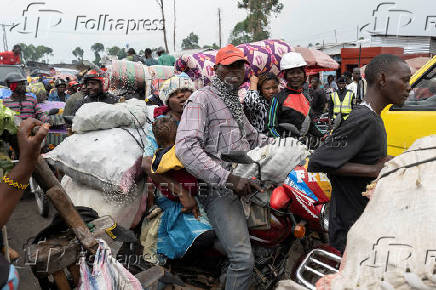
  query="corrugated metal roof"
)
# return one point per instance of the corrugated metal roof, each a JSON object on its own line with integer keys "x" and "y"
{"x": 411, "y": 44}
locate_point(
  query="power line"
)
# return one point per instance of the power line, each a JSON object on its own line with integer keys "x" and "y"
{"x": 219, "y": 25}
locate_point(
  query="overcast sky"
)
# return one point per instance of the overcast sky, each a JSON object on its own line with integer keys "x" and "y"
{"x": 301, "y": 22}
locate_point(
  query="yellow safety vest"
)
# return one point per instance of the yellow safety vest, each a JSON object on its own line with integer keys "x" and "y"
{"x": 343, "y": 107}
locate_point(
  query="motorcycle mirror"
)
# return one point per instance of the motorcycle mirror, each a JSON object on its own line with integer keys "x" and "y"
{"x": 68, "y": 119}
{"x": 237, "y": 157}
{"x": 290, "y": 128}
{"x": 53, "y": 111}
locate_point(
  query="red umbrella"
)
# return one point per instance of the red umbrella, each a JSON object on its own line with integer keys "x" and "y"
{"x": 316, "y": 59}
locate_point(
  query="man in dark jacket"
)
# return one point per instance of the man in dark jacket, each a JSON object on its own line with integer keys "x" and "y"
{"x": 291, "y": 105}
{"x": 317, "y": 97}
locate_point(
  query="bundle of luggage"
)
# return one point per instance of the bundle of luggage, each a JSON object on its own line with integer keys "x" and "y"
{"x": 102, "y": 160}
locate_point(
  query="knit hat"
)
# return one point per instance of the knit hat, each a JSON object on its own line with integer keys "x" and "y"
{"x": 181, "y": 81}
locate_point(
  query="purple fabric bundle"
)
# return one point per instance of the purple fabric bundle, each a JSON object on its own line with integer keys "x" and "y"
{"x": 264, "y": 56}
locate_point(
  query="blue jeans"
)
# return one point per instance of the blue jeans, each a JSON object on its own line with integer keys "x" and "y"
{"x": 225, "y": 213}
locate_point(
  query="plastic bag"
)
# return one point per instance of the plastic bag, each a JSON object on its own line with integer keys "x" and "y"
{"x": 107, "y": 273}
{"x": 274, "y": 166}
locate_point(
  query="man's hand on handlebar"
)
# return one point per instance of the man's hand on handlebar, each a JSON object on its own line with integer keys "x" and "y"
{"x": 242, "y": 186}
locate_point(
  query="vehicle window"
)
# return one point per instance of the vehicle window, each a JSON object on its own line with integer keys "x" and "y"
{"x": 5, "y": 70}
{"x": 423, "y": 95}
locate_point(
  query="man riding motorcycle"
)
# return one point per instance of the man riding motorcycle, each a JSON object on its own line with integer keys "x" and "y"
{"x": 213, "y": 122}
{"x": 291, "y": 105}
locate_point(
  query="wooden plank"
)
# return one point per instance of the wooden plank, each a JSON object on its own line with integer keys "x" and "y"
{"x": 75, "y": 272}
{"x": 61, "y": 280}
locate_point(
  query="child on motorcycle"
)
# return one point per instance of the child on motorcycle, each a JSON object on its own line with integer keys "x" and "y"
{"x": 165, "y": 161}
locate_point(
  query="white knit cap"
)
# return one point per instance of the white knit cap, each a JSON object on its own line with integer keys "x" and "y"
{"x": 168, "y": 87}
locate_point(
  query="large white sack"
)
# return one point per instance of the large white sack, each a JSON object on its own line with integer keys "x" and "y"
{"x": 276, "y": 160}
{"x": 97, "y": 115}
{"x": 107, "y": 160}
{"x": 393, "y": 244}
{"x": 122, "y": 213}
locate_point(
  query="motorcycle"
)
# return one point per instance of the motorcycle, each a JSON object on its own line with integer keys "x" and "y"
{"x": 291, "y": 215}
{"x": 307, "y": 195}
{"x": 323, "y": 123}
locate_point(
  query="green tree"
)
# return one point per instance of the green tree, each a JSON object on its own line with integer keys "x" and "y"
{"x": 78, "y": 53}
{"x": 119, "y": 52}
{"x": 190, "y": 42}
{"x": 97, "y": 48}
{"x": 114, "y": 50}
{"x": 255, "y": 26}
{"x": 35, "y": 53}
{"x": 122, "y": 54}
{"x": 213, "y": 46}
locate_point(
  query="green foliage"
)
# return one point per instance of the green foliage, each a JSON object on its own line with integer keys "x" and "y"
{"x": 190, "y": 42}
{"x": 114, "y": 50}
{"x": 213, "y": 46}
{"x": 78, "y": 53}
{"x": 97, "y": 48}
{"x": 7, "y": 120}
{"x": 7, "y": 123}
{"x": 119, "y": 52}
{"x": 255, "y": 26}
{"x": 34, "y": 53}
{"x": 122, "y": 54}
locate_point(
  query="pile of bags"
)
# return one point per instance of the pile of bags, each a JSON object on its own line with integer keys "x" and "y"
{"x": 103, "y": 160}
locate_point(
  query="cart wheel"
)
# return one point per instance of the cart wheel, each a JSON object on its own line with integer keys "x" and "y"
{"x": 41, "y": 199}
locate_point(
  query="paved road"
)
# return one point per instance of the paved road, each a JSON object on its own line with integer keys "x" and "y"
{"x": 24, "y": 224}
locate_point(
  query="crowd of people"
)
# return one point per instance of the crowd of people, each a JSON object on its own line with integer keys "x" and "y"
{"x": 194, "y": 127}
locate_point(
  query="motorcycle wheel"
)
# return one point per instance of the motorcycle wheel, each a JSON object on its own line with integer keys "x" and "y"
{"x": 40, "y": 197}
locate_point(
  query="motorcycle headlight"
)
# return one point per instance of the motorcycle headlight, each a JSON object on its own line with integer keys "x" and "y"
{"x": 324, "y": 217}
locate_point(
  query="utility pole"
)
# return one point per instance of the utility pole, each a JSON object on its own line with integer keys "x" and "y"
{"x": 219, "y": 25}
{"x": 336, "y": 38}
{"x": 161, "y": 6}
{"x": 174, "y": 36}
{"x": 5, "y": 40}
